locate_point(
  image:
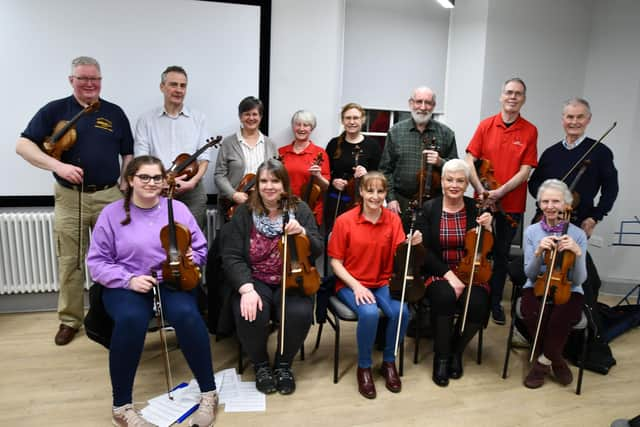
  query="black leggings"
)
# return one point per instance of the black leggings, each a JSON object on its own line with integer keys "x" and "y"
{"x": 253, "y": 335}
{"x": 444, "y": 306}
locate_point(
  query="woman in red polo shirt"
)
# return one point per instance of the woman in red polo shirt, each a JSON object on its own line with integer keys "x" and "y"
{"x": 300, "y": 158}
{"x": 363, "y": 280}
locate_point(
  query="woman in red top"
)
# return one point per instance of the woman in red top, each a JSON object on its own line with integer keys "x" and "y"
{"x": 299, "y": 158}
{"x": 444, "y": 223}
{"x": 361, "y": 247}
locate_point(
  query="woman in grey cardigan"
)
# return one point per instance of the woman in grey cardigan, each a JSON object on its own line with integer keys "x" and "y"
{"x": 241, "y": 154}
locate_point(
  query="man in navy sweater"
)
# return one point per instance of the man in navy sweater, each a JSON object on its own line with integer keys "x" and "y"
{"x": 600, "y": 176}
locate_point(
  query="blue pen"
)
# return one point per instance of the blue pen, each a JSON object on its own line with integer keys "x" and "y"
{"x": 187, "y": 414}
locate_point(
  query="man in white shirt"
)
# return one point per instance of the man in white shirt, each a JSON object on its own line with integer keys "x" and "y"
{"x": 167, "y": 131}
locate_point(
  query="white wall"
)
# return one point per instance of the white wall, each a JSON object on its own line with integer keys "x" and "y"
{"x": 306, "y": 66}
{"x": 392, "y": 47}
{"x": 612, "y": 85}
{"x": 465, "y": 69}
{"x": 133, "y": 41}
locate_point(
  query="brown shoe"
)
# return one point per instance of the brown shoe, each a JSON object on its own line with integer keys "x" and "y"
{"x": 562, "y": 372}
{"x": 535, "y": 378}
{"x": 366, "y": 387}
{"x": 65, "y": 335}
{"x": 391, "y": 377}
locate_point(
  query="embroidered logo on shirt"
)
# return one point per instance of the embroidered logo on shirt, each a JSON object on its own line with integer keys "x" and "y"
{"x": 517, "y": 143}
{"x": 102, "y": 123}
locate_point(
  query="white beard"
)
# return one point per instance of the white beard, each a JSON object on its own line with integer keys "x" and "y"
{"x": 421, "y": 119}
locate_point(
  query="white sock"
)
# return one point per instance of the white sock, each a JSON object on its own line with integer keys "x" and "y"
{"x": 543, "y": 359}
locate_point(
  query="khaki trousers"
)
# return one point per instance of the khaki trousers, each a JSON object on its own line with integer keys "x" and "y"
{"x": 71, "y": 247}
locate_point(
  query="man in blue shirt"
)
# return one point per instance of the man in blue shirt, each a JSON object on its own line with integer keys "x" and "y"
{"x": 172, "y": 129}
{"x": 86, "y": 175}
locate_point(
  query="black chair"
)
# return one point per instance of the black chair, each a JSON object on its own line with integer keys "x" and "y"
{"x": 341, "y": 312}
{"x": 582, "y": 326}
{"x": 418, "y": 335}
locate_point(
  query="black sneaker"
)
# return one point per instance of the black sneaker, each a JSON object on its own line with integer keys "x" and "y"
{"x": 497, "y": 314}
{"x": 285, "y": 382}
{"x": 265, "y": 382}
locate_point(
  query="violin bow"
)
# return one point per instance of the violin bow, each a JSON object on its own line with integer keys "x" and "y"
{"x": 547, "y": 284}
{"x": 404, "y": 277}
{"x": 285, "y": 251}
{"x": 588, "y": 152}
{"x": 157, "y": 307}
{"x": 473, "y": 273}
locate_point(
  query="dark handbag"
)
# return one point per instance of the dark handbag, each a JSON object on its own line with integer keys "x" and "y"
{"x": 97, "y": 323}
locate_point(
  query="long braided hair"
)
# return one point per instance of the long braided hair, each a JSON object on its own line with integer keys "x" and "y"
{"x": 129, "y": 173}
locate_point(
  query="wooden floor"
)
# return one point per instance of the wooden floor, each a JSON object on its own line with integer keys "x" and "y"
{"x": 45, "y": 385}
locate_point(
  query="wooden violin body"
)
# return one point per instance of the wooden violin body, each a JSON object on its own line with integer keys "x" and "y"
{"x": 178, "y": 268}
{"x": 300, "y": 273}
{"x": 475, "y": 263}
{"x": 415, "y": 289}
{"x": 64, "y": 133}
{"x": 554, "y": 282}
{"x": 311, "y": 191}
{"x": 429, "y": 180}
{"x": 246, "y": 185}
{"x": 185, "y": 165}
{"x": 353, "y": 183}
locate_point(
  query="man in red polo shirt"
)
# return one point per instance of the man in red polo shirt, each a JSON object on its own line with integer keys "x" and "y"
{"x": 509, "y": 142}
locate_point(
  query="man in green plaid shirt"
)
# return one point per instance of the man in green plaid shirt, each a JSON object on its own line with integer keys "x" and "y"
{"x": 402, "y": 154}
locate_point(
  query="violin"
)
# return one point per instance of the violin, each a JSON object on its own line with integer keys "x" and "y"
{"x": 176, "y": 237}
{"x": 407, "y": 277}
{"x": 429, "y": 176}
{"x": 554, "y": 283}
{"x": 185, "y": 162}
{"x": 474, "y": 268}
{"x": 297, "y": 270}
{"x": 489, "y": 182}
{"x": 353, "y": 184}
{"x": 176, "y": 241}
{"x": 311, "y": 191}
{"x": 64, "y": 133}
{"x": 246, "y": 185}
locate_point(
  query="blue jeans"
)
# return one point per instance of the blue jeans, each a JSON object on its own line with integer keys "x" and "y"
{"x": 368, "y": 323}
{"x": 131, "y": 312}
{"x": 504, "y": 234}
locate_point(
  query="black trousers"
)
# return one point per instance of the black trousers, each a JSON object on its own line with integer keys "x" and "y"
{"x": 444, "y": 306}
{"x": 254, "y": 335}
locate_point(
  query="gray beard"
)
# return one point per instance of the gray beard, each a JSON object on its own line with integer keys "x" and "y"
{"x": 421, "y": 119}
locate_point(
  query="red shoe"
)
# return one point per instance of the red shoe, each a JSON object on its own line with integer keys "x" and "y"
{"x": 366, "y": 387}
{"x": 562, "y": 372}
{"x": 535, "y": 378}
{"x": 391, "y": 377}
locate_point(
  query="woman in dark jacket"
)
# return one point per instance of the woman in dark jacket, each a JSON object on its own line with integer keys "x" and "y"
{"x": 444, "y": 223}
{"x": 253, "y": 267}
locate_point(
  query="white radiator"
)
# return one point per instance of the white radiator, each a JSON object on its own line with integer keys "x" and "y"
{"x": 27, "y": 251}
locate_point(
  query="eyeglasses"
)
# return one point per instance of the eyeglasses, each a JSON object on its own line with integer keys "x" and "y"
{"x": 157, "y": 179}
{"x": 84, "y": 79}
